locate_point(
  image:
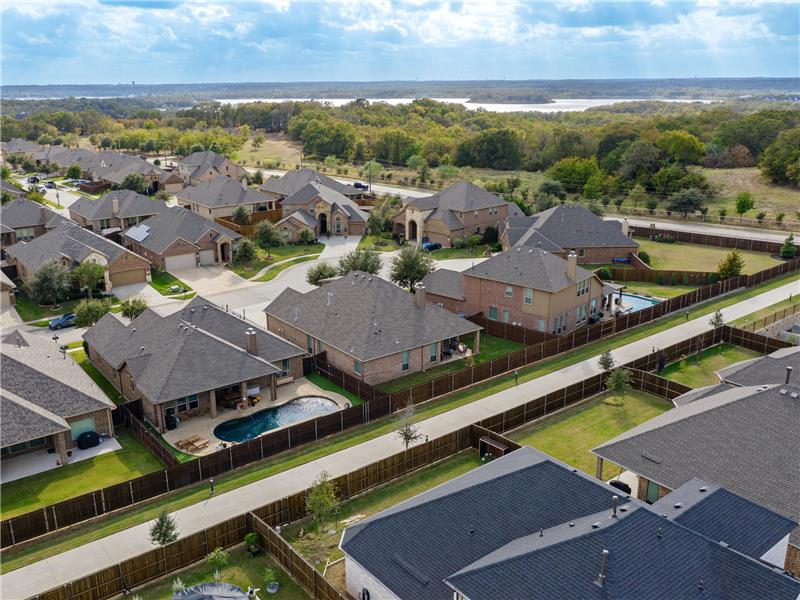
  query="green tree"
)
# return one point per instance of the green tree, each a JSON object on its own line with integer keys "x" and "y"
{"x": 267, "y": 235}
{"x": 686, "y": 201}
{"x": 164, "y": 530}
{"x": 217, "y": 560}
{"x": 360, "y": 260}
{"x": 552, "y": 187}
{"x": 73, "y": 172}
{"x": 788, "y": 249}
{"x": 51, "y": 284}
{"x": 409, "y": 431}
{"x": 245, "y": 252}
{"x": 744, "y": 202}
{"x": 5, "y": 173}
{"x": 493, "y": 149}
{"x": 606, "y": 361}
{"x": 320, "y": 271}
{"x": 618, "y": 382}
{"x": 409, "y": 266}
{"x": 240, "y": 215}
{"x": 136, "y": 182}
{"x": 88, "y": 312}
{"x": 258, "y": 177}
{"x": 306, "y": 237}
{"x": 5, "y": 197}
{"x": 574, "y": 173}
{"x": 321, "y": 498}
{"x": 258, "y": 140}
{"x": 88, "y": 276}
{"x": 731, "y": 265}
{"x": 637, "y": 195}
{"x": 133, "y": 306}
{"x": 681, "y": 147}
{"x": 639, "y": 161}
{"x": 782, "y": 157}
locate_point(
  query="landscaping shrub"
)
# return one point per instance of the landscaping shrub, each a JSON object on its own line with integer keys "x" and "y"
{"x": 489, "y": 235}
{"x": 761, "y": 216}
{"x": 644, "y": 257}
{"x": 306, "y": 237}
{"x": 660, "y": 279}
{"x": 673, "y": 280}
{"x": 604, "y": 273}
{"x": 779, "y": 217}
{"x": 788, "y": 250}
{"x": 245, "y": 251}
{"x": 665, "y": 239}
{"x": 685, "y": 279}
{"x": 458, "y": 243}
{"x": 712, "y": 278}
{"x": 618, "y": 202}
{"x": 652, "y": 205}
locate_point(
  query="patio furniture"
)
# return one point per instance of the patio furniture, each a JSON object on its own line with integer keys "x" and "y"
{"x": 188, "y": 442}
{"x": 200, "y": 444}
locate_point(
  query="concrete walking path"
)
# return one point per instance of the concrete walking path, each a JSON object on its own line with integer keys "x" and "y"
{"x": 73, "y": 564}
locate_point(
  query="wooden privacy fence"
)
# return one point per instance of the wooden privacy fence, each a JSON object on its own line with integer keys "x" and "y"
{"x": 663, "y": 277}
{"x": 657, "y": 385}
{"x": 149, "y": 439}
{"x": 768, "y": 320}
{"x": 709, "y": 239}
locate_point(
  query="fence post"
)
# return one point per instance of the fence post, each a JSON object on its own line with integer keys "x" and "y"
{"x": 130, "y": 486}
{"x": 94, "y": 502}
{"x": 166, "y": 478}
{"x": 200, "y": 469}
{"x": 261, "y": 443}
{"x": 55, "y": 518}
{"x": 230, "y": 455}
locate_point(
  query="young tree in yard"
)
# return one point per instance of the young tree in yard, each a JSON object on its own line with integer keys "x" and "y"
{"x": 306, "y": 237}
{"x": 88, "y": 275}
{"x": 788, "y": 250}
{"x": 686, "y": 200}
{"x": 716, "y": 320}
{"x": 164, "y": 530}
{"x": 89, "y": 312}
{"x": 258, "y": 139}
{"x": 360, "y": 260}
{"x": 258, "y": 177}
{"x": 744, "y": 202}
{"x": 74, "y": 172}
{"x": 409, "y": 266}
{"x": 637, "y": 195}
{"x": 409, "y": 432}
{"x": 321, "y": 498}
{"x": 267, "y": 235}
{"x": 136, "y": 182}
{"x": 245, "y": 252}
{"x": 50, "y": 284}
{"x": 240, "y": 215}
{"x": 731, "y": 265}
{"x": 606, "y": 361}
{"x": 619, "y": 382}
{"x": 132, "y": 307}
{"x": 5, "y": 197}
{"x": 5, "y": 173}
{"x": 218, "y": 559}
{"x": 319, "y": 272}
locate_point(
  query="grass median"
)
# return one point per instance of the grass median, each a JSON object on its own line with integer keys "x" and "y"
{"x": 14, "y": 559}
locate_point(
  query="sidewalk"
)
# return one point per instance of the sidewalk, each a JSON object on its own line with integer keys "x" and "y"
{"x": 73, "y": 564}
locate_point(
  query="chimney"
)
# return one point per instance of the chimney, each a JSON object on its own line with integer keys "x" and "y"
{"x": 601, "y": 578}
{"x": 114, "y": 205}
{"x": 419, "y": 294}
{"x": 626, "y": 229}
{"x": 250, "y": 341}
{"x": 788, "y": 374}
{"x": 572, "y": 263}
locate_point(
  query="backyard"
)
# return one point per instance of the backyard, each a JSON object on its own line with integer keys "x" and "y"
{"x": 80, "y": 357}
{"x": 699, "y": 371}
{"x": 265, "y": 258}
{"x": 242, "y": 570}
{"x": 680, "y": 256}
{"x": 162, "y": 281}
{"x": 324, "y": 384}
{"x": 655, "y": 290}
{"x": 570, "y": 435}
{"x": 29, "y": 493}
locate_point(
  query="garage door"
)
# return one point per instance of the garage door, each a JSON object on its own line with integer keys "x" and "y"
{"x": 82, "y": 426}
{"x": 128, "y": 277}
{"x": 207, "y": 257}
{"x": 184, "y": 261}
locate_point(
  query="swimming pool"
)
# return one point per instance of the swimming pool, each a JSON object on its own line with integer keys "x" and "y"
{"x": 299, "y": 409}
{"x": 634, "y": 303}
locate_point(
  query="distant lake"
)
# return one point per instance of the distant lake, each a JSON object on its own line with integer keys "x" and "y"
{"x": 558, "y": 105}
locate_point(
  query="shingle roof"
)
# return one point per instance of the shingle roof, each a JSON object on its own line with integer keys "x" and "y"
{"x": 299, "y": 215}
{"x": 195, "y": 159}
{"x": 26, "y": 213}
{"x": 764, "y": 369}
{"x": 160, "y": 231}
{"x": 66, "y": 240}
{"x": 129, "y": 204}
{"x": 24, "y": 421}
{"x": 744, "y": 439}
{"x": 444, "y": 282}
{"x": 336, "y": 200}
{"x": 528, "y": 267}
{"x": 292, "y": 181}
{"x": 573, "y": 226}
{"x": 462, "y": 196}
{"x": 366, "y": 317}
{"x": 11, "y": 189}
{"x": 196, "y": 349}
{"x": 19, "y": 146}
{"x": 221, "y": 192}
{"x": 6, "y": 280}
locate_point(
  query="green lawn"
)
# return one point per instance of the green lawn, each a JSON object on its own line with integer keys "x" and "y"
{"x": 28, "y": 310}
{"x": 679, "y": 256}
{"x": 242, "y": 570}
{"x": 265, "y": 258}
{"x": 491, "y": 347}
{"x": 196, "y": 493}
{"x": 449, "y": 253}
{"x": 317, "y": 547}
{"x": 82, "y": 359}
{"x": 163, "y": 280}
{"x": 68, "y": 481}
{"x": 378, "y": 243}
{"x": 570, "y": 435}
{"x": 765, "y": 312}
{"x": 323, "y": 383}
{"x": 699, "y": 371}
{"x": 275, "y": 271}
{"x": 654, "y": 290}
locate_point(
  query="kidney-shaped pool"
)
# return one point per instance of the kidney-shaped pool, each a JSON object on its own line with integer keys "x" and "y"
{"x": 299, "y": 409}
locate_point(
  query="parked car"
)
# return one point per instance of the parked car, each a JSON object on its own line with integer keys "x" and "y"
{"x": 50, "y": 185}
{"x": 67, "y": 320}
{"x": 360, "y": 185}
{"x": 33, "y": 179}
{"x": 41, "y": 189}
{"x": 431, "y": 246}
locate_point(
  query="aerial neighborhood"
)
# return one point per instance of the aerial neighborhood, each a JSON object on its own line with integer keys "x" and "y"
{"x": 281, "y": 330}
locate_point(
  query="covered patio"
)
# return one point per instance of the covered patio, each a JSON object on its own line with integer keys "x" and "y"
{"x": 24, "y": 465}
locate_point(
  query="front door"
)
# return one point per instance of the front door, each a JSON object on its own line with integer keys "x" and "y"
{"x": 323, "y": 224}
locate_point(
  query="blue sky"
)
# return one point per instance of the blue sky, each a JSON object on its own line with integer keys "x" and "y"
{"x": 110, "y": 41}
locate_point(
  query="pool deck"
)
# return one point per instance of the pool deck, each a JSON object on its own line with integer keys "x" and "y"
{"x": 204, "y": 425}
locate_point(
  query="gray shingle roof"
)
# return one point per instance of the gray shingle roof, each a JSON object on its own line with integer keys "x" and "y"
{"x": 196, "y": 349}
{"x": 336, "y": 200}
{"x": 19, "y": 146}
{"x": 196, "y": 159}
{"x": 462, "y": 196}
{"x": 292, "y": 181}
{"x": 129, "y": 204}
{"x": 573, "y": 226}
{"x": 765, "y": 369}
{"x": 366, "y": 317}
{"x": 11, "y": 189}
{"x": 26, "y": 213}
{"x": 301, "y": 216}
{"x": 160, "y": 231}
{"x": 444, "y": 282}
{"x": 744, "y": 439}
{"x": 24, "y": 421}
{"x": 221, "y": 192}
{"x": 528, "y": 267}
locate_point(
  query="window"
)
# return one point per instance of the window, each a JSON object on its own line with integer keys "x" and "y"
{"x": 475, "y": 214}
{"x": 338, "y": 225}
{"x": 284, "y": 368}
{"x": 310, "y": 344}
{"x": 652, "y": 492}
{"x": 594, "y": 305}
{"x": 506, "y": 315}
{"x": 583, "y": 287}
{"x": 24, "y": 234}
{"x": 433, "y": 352}
{"x": 320, "y": 346}
{"x": 194, "y": 402}
{"x": 509, "y": 291}
{"x": 182, "y": 404}
{"x": 559, "y": 324}
{"x": 493, "y": 313}
{"x": 285, "y": 232}
{"x": 528, "y": 296}
{"x": 582, "y": 252}
{"x": 542, "y": 325}
{"x": 105, "y": 223}
{"x": 405, "y": 359}
{"x": 357, "y": 367}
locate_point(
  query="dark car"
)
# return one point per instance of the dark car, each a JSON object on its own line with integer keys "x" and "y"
{"x": 33, "y": 179}
{"x": 431, "y": 246}
{"x": 67, "y": 320}
{"x": 360, "y": 186}
{"x": 50, "y": 185}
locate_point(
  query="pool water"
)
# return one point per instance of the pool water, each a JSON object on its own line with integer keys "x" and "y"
{"x": 635, "y": 303}
{"x": 300, "y": 409}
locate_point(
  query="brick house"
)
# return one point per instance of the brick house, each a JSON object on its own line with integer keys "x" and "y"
{"x": 46, "y": 402}
{"x": 368, "y": 327}
{"x": 205, "y": 166}
{"x": 115, "y": 211}
{"x": 7, "y": 294}
{"x": 22, "y": 220}
{"x": 524, "y": 286}
{"x": 71, "y": 245}
{"x": 570, "y": 228}
{"x": 332, "y": 212}
{"x": 291, "y": 182}
{"x": 292, "y": 225}
{"x": 221, "y": 197}
{"x": 8, "y": 188}
{"x": 196, "y": 361}
{"x": 457, "y": 212}
{"x": 528, "y": 526}
{"x": 743, "y": 437}
{"x": 179, "y": 239}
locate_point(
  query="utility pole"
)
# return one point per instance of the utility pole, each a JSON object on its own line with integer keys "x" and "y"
{"x": 370, "y": 176}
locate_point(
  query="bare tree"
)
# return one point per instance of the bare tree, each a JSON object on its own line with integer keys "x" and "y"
{"x": 408, "y": 432}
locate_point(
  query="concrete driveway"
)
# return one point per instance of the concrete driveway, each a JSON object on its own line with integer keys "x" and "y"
{"x": 210, "y": 279}
{"x": 145, "y": 290}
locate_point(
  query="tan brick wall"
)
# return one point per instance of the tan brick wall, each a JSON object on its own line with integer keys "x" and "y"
{"x": 293, "y": 227}
{"x": 451, "y": 304}
{"x": 792, "y": 560}
{"x": 641, "y": 489}
{"x": 128, "y": 262}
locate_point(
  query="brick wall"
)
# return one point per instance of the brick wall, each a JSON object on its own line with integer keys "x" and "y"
{"x": 793, "y": 560}
{"x": 641, "y": 489}
{"x": 451, "y": 304}
{"x": 293, "y": 228}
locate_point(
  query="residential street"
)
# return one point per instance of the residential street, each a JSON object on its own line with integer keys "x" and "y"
{"x": 105, "y": 552}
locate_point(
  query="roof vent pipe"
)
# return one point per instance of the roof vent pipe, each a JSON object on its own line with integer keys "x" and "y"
{"x": 788, "y": 374}
{"x": 615, "y": 500}
{"x": 601, "y": 578}
{"x": 250, "y": 341}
